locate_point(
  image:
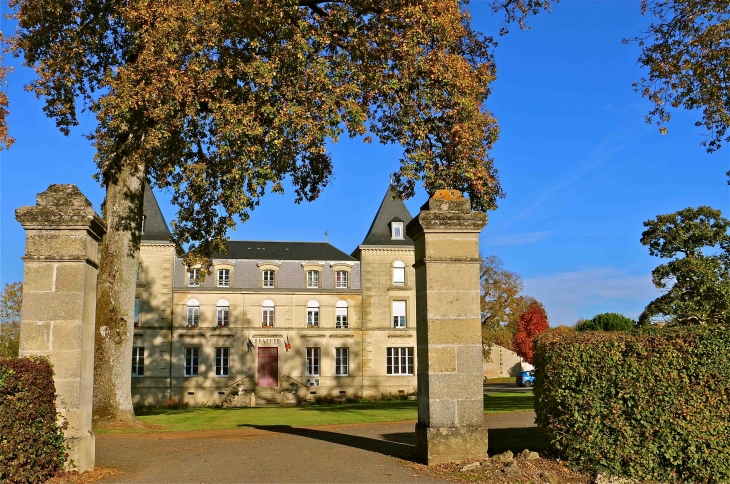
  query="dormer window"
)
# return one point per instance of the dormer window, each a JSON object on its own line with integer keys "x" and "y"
{"x": 193, "y": 278}
{"x": 396, "y": 230}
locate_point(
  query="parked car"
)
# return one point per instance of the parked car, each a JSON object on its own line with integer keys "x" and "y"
{"x": 526, "y": 378}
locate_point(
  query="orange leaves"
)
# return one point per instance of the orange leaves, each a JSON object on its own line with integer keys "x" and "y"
{"x": 532, "y": 323}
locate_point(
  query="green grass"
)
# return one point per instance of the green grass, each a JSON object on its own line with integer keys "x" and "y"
{"x": 201, "y": 418}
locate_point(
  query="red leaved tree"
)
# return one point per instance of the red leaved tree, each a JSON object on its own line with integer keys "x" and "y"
{"x": 532, "y": 322}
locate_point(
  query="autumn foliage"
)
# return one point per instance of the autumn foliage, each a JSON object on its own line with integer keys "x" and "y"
{"x": 532, "y": 322}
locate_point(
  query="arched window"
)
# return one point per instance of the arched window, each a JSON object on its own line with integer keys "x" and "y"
{"x": 222, "y": 313}
{"x": 193, "y": 313}
{"x": 312, "y": 314}
{"x": 267, "y": 314}
{"x": 399, "y": 273}
{"x": 341, "y": 315}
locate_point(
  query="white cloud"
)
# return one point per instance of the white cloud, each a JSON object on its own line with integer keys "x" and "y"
{"x": 568, "y": 296}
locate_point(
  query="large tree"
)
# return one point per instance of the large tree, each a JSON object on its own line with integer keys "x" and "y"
{"x": 224, "y": 101}
{"x": 534, "y": 321}
{"x": 500, "y": 300}
{"x": 686, "y": 51}
{"x": 11, "y": 300}
{"x": 606, "y": 322}
{"x": 696, "y": 281}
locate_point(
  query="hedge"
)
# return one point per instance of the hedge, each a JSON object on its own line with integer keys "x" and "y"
{"x": 31, "y": 441}
{"x": 652, "y": 404}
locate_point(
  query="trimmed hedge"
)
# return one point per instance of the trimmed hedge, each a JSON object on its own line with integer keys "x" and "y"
{"x": 653, "y": 404}
{"x": 31, "y": 441}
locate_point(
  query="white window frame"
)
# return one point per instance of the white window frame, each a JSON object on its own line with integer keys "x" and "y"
{"x": 192, "y": 278}
{"x": 268, "y": 314}
{"x": 400, "y": 311}
{"x": 193, "y": 314}
{"x": 399, "y": 273}
{"x": 313, "y": 279}
{"x": 222, "y": 361}
{"x": 342, "y": 361}
{"x": 341, "y": 279}
{"x": 399, "y": 360}
{"x": 191, "y": 360}
{"x": 224, "y": 278}
{"x": 341, "y": 316}
{"x": 313, "y": 314}
{"x": 138, "y": 361}
{"x": 313, "y": 361}
{"x": 222, "y": 317}
{"x": 269, "y": 281}
{"x": 137, "y": 305}
{"x": 396, "y": 231}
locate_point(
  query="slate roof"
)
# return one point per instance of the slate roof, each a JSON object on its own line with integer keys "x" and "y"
{"x": 155, "y": 227}
{"x": 265, "y": 250}
{"x": 390, "y": 210}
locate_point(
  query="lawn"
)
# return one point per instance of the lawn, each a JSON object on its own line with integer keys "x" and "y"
{"x": 202, "y": 418}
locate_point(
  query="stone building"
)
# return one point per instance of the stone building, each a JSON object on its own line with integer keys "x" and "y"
{"x": 276, "y": 318}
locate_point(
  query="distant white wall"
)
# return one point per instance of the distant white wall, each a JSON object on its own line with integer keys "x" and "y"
{"x": 502, "y": 362}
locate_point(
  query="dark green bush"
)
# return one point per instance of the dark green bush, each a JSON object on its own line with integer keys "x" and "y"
{"x": 607, "y": 322}
{"x": 31, "y": 441}
{"x": 650, "y": 405}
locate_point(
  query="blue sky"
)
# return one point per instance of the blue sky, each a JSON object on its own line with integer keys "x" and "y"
{"x": 581, "y": 168}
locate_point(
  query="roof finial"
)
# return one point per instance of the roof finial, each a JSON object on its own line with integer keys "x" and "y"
{"x": 326, "y": 236}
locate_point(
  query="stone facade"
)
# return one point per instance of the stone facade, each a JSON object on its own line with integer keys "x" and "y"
{"x": 174, "y": 360}
{"x": 59, "y": 300}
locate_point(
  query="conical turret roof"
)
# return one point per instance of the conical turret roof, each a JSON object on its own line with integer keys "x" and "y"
{"x": 155, "y": 227}
{"x": 392, "y": 209}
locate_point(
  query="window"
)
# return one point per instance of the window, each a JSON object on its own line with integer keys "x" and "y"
{"x": 224, "y": 277}
{"x": 267, "y": 314}
{"x": 136, "y": 311}
{"x": 399, "y": 273}
{"x": 312, "y": 278}
{"x": 342, "y": 361}
{"x": 221, "y": 361}
{"x": 222, "y": 314}
{"x": 141, "y": 229}
{"x": 341, "y": 315}
{"x": 191, "y": 361}
{"x": 139, "y": 270}
{"x": 399, "y": 314}
{"x": 341, "y": 279}
{"x": 312, "y": 361}
{"x": 193, "y": 278}
{"x": 399, "y": 361}
{"x": 313, "y": 314}
{"x": 137, "y": 361}
{"x": 193, "y": 313}
{"x": 396, "y": 230}
{"x": 268, "y": 278}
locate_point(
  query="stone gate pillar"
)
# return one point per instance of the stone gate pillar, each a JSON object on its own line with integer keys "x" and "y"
{"x": 450, "y": 397}
{"x": 59, "y": 301}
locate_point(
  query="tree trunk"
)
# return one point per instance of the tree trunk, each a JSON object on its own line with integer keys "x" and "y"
{"x": 115, "y": 298}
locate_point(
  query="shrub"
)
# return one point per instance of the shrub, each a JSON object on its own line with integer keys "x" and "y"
{"x": 606, "y": 322}
{"x": 31, "y": 441}
{"x": 651, "y": 405}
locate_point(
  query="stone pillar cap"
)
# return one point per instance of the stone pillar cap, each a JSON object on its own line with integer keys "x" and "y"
{"x": 64, "y": 206}
{"x": 446, "y": 210}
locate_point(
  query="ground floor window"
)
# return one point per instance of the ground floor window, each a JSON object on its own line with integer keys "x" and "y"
{"x": 221, "y": 361}
{"x": 312, "y": 361}
{"x": 342, "y": 361}
{"x": 191, "y": 361}
{"x": 399, "y": 361}
{"x": 137, "y": 361}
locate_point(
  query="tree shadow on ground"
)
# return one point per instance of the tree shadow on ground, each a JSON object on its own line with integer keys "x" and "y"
{"x": 399, "y": 446}
{"x": 402, "y": 445}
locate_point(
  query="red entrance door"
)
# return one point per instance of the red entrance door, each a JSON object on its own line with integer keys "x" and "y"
{"x": 268, "y": 367}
